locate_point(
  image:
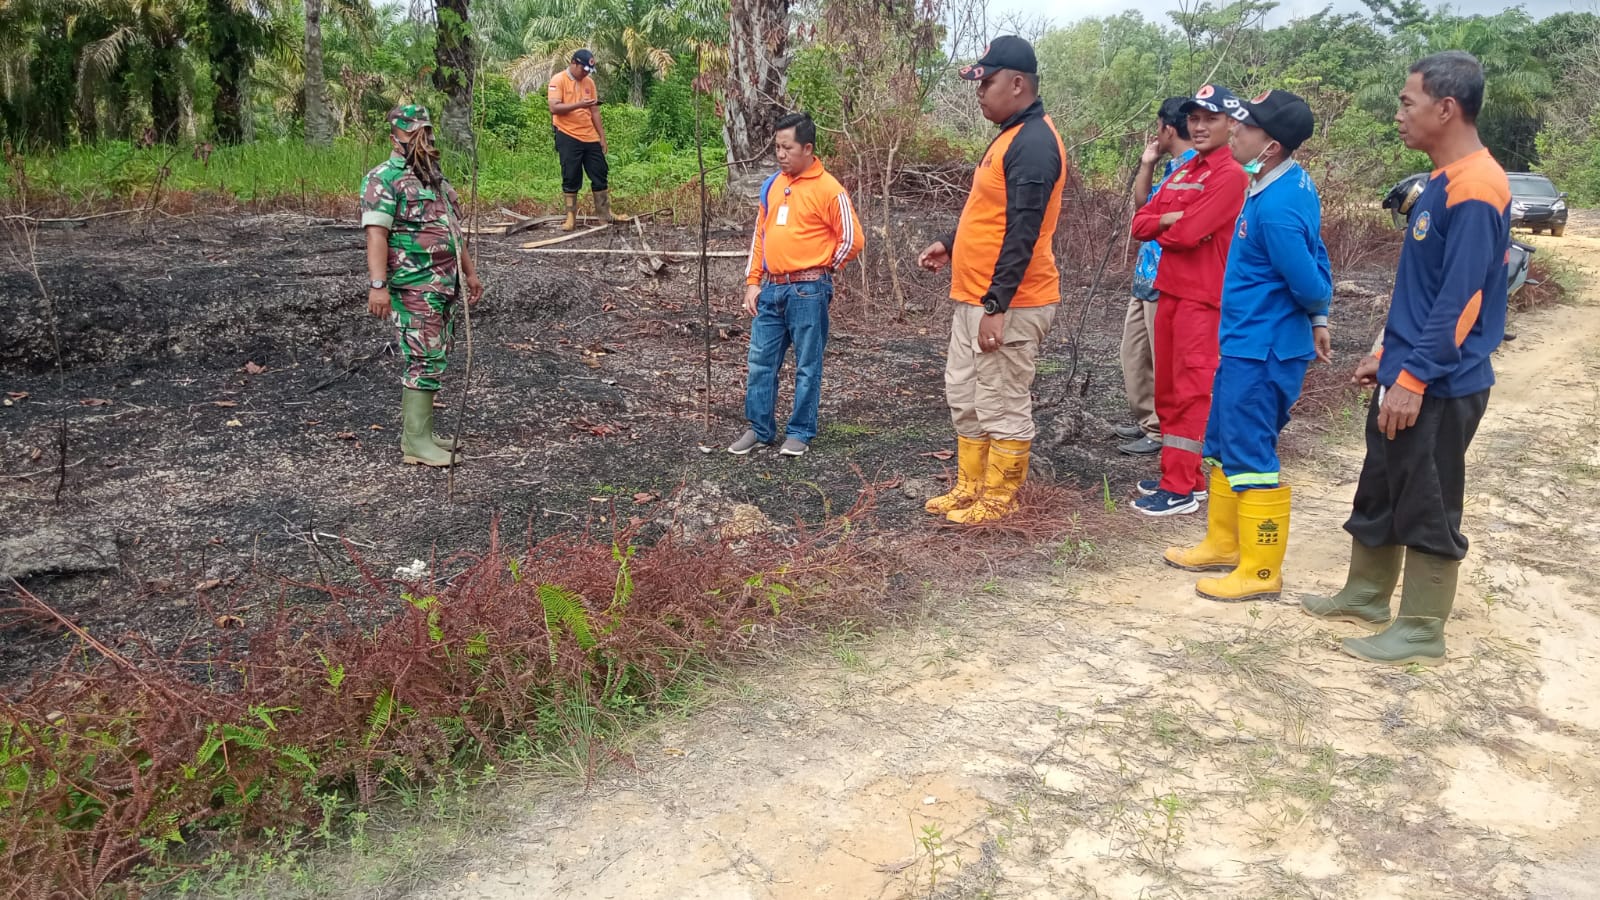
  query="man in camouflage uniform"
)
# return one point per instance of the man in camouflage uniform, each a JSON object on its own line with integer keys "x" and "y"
{"x": 415, "y": 260}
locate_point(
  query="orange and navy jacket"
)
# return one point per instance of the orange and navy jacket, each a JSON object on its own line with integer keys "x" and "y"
{"x": 804, "y": 222}
{"x": 1209, "y": 191}
{"x": 578, "y": 124}
{"x": 1449, "y": 308}
{"x": 1002, "y": 245}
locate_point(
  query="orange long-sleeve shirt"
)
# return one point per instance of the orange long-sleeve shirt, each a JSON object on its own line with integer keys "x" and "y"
{"x": 806, "y": 222}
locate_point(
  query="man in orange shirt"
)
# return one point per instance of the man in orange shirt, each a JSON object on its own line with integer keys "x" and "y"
{"x": 805, "y": 230}
{"x": 1004, "y": 282}
{"x": 580, "y": 137}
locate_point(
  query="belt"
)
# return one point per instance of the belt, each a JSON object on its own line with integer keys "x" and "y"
{"x": 791, "y": 277}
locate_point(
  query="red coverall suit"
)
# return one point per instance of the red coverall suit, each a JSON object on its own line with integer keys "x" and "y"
{"x": 1209, "y": 190}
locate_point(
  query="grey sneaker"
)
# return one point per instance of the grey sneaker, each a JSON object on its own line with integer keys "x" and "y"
{"x": 1144, "y": 446}
{"x": 794, "y": 447}
{"x": 746, "y": 442}
{"x": 1129, "y": 432}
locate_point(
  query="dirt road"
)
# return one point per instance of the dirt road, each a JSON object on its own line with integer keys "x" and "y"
{"x": 1108, "y": 734}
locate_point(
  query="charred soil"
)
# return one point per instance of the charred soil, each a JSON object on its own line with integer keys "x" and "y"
{"x": 231, "y": 411}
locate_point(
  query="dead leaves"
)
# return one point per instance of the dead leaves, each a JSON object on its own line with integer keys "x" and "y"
{"x": 12, "y": 397}
{"x": 251, "y": 368}
{"x": 228, "y": 622}
{"x": 940, "y": 454}
{"x": 597, "y": 429}
{"x": 225, "y": 404}
{"x": 346, "y": 435}
{"x": 94, "y": 401}
{"x": 644, "y": 497}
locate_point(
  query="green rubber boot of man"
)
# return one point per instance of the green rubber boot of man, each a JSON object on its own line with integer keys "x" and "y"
{"x": 571, "y": 201}
{"x": 416, "y": 432}
{"x": 1417, "y": 633}
{"x": 1367, "y": 591}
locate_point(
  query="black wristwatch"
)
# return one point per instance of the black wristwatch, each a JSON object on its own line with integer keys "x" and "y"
{"x": 991, "y": 306}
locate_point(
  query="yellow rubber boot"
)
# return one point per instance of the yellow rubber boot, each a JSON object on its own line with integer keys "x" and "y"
{"x": 1219, "y": 550}
{"x": 571, "y": 201}
{"x": 1002, "y": 478}
{"x": 1263, "y": 538}
{"x": 972, "y": 457}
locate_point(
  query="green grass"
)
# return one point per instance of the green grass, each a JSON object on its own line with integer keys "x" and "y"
{"x": 119, "y": 172}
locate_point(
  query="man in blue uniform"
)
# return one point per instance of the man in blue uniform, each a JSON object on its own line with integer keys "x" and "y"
{"x": 1274, "y": 321}
{"x": 1431, "y": 373}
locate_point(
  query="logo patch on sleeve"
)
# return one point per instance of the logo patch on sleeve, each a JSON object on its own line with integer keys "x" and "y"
{"x": 1419, "y": 230}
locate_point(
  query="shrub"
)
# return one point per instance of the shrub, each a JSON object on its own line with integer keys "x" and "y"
{"x": 110, "y": 764}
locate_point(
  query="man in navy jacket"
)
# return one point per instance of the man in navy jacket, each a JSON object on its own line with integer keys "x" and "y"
{"x": 1431, "y": 373}
{"x": 1274, "y": 321}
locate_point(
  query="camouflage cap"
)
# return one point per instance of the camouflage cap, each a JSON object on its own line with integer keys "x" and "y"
{"x": 410, "y": 117}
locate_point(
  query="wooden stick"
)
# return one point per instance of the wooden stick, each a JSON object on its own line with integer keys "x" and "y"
{"x": 714, "y": 254}
{"x": 84, "y": 218}
{"x": 534, "y": 245}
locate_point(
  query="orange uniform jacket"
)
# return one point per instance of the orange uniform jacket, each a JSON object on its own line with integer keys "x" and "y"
{"x": 1002, "y": 245}
{"x": 805, "y": 222}
{"x": 578, "y": 124}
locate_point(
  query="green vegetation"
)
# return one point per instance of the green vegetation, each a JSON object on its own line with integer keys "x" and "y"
{"x": 90, "y": 85}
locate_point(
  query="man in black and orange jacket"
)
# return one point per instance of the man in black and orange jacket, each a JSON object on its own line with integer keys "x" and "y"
{"x": 1004, "y": 282}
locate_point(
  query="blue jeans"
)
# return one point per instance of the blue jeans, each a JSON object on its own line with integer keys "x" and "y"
{"x": 787, "y": 314}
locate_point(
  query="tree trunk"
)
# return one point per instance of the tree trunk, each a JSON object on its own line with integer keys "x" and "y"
{"x": 166, "y": 94}
{"x": 230, "y": 59}
{"x": 758, "y": 56}
{"x": 319, "y": 121}
{"x": 453, "y": 72}
{"x": 636, "y": 88}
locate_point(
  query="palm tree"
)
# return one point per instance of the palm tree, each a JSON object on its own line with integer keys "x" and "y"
{"x": 355, "y": 15}
{"x": 156, "y": 30}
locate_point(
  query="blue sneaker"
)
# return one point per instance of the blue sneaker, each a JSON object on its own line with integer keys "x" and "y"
{"x": 1151, "y": 486}
{"x": 1166, "y": 503}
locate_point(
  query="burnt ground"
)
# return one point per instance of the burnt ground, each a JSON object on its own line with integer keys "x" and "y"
{"x": 200, "y": 457}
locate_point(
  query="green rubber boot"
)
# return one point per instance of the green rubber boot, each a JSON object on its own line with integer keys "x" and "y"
{"x": 1417, "y": 633}
{"x": 1364, "y": 599}
{"x": 416, "y": 432}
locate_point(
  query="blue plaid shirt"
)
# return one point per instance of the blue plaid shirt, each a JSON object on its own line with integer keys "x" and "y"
{"x": 1144, "y": 270}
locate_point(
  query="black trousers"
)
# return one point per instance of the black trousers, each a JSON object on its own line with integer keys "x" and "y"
{"x": 578, "y": 157}
{"x": 1411, "y": 488}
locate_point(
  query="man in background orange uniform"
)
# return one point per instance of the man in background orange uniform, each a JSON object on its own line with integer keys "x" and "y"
{"x": 580, "y": 137}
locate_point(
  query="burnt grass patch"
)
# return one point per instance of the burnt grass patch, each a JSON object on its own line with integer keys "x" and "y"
{"x": 231, "y": 410}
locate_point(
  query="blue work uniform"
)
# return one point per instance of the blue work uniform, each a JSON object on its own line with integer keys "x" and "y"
{"x": 1277, "y": 289}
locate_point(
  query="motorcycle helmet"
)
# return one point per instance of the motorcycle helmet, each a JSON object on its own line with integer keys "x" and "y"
{"x": 1403, "y": 195}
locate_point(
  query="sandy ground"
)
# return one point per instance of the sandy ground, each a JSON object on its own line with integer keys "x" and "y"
{"x": 1105, "y": 733}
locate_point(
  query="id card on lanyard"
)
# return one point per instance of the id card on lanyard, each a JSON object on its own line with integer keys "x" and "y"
{"x": 783, "y": 211}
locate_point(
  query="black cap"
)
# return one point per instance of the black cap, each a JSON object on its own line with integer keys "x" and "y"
{"x": 1285, "y": 117}
{"x": 1216, "y": 98}
{"x": 1007, "y": 52}
{"x": 584, "y": 58}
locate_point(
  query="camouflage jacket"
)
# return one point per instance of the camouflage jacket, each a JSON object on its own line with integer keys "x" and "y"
{"x": 424, "y": 226}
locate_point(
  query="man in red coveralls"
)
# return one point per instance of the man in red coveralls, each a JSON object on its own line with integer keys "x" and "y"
{"x": 1192, "y": 218}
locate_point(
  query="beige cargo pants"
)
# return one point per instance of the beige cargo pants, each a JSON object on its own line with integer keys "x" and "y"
{"x": 990, "y": 394}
